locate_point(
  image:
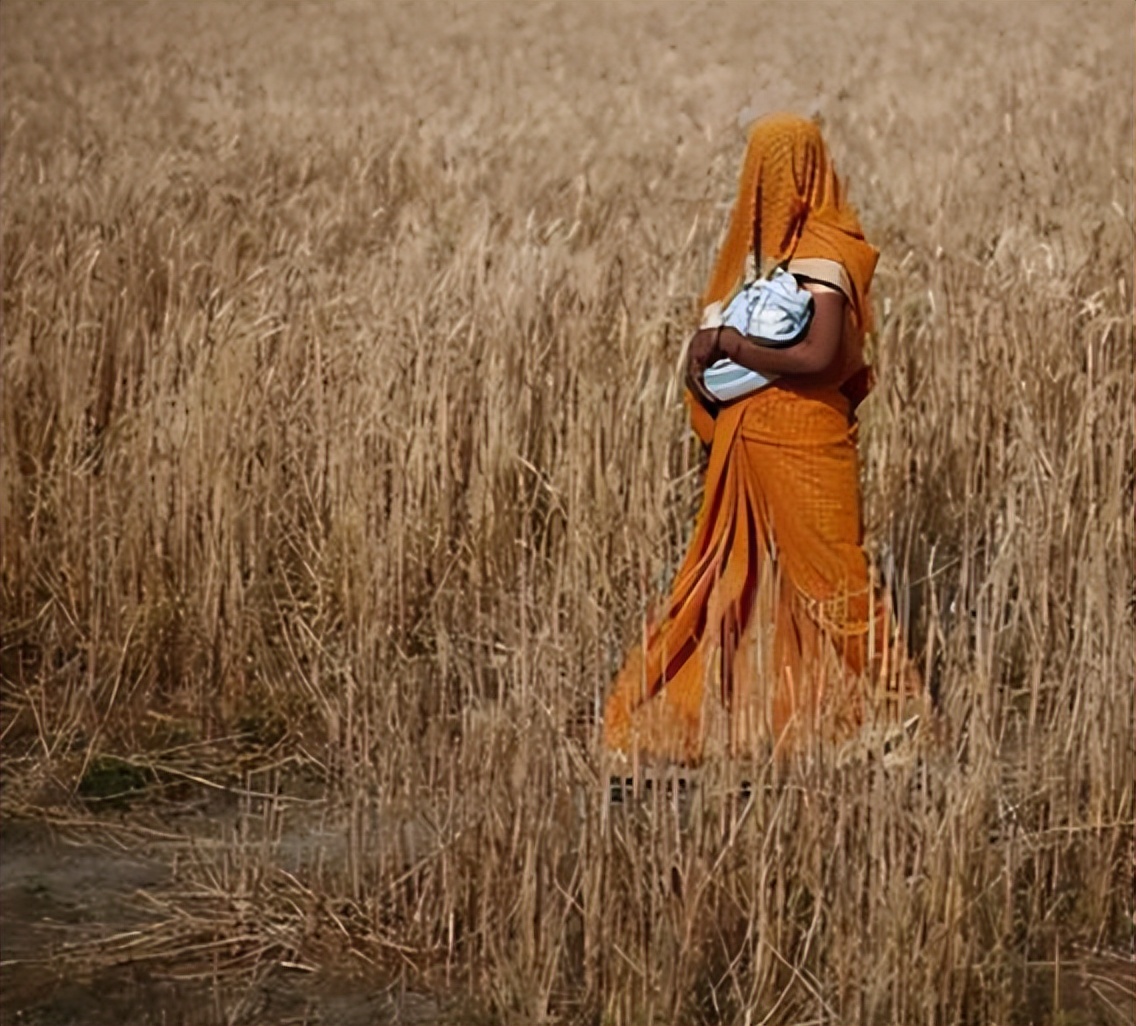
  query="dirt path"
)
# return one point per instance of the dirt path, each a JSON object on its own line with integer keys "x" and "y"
{"x": 57, "y": 895}
{"x": 63, "y": 893}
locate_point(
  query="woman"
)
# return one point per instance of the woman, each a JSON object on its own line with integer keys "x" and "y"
{"x": 772, "y": 632}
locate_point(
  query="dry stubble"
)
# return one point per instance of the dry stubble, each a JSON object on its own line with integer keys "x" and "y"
{"x": 259, "y": 479}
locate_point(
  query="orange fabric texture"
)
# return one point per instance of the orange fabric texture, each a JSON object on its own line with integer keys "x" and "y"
{"x": 790, "y": 203}
{"x": 772, "y": 631}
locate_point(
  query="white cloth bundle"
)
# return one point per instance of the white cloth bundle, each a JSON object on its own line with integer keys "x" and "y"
{"x": 773, "y": 311}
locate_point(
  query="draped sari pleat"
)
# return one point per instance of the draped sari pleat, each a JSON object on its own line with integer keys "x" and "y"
{"x": 765, "y": 637}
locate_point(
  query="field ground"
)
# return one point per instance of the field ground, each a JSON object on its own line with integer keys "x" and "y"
{"x": 62, "y": 888}
{"x": 311, "y": 584}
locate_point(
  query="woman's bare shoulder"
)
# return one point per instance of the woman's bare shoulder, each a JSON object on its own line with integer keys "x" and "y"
{"x": 819, "y": 288}
{"x": 821, "y": 271}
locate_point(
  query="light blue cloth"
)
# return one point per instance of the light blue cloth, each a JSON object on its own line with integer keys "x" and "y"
{"x": 773, "y": 311}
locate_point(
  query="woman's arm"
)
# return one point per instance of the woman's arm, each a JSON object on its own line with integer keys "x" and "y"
{"x": 814, "y": 354}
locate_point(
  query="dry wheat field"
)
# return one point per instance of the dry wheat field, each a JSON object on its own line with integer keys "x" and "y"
{"x": 342, "y": 459}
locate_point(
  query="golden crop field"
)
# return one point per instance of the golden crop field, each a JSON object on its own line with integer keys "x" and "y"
{"x": 343, "y": 457}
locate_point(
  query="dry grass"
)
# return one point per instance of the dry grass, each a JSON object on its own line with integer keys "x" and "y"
{"x": 258, "y": 480}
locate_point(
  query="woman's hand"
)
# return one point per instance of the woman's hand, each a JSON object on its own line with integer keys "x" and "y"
{"x": 702, "y": 351}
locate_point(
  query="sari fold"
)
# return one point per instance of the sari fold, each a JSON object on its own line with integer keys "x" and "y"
{"x": 765, "y": 637}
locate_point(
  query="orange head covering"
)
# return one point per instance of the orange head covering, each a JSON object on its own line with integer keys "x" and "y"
{"x": 791, "y": 204}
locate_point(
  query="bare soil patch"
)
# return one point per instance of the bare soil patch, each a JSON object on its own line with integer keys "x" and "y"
{"x": 71, "y": 896}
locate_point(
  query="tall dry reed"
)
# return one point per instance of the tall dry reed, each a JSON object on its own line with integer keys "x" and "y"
{"x": 339, "y": 412}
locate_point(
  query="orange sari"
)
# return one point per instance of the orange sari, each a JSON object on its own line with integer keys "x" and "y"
{"x": 772, "y": 632}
